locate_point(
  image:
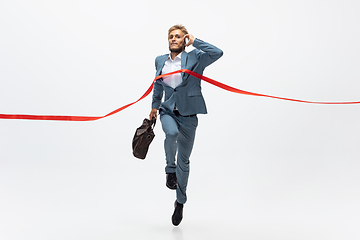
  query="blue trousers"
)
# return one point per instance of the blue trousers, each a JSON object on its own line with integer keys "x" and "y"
{"x": 179, "y": 138}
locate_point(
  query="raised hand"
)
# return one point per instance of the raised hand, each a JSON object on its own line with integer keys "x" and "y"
{"x": 191, "y": 39}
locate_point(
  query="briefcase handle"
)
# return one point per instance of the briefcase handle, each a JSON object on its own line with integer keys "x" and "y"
{"x": 153, "y": 122}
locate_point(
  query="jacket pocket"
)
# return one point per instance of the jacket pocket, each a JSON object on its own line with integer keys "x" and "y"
{"x": 194, "y": 93}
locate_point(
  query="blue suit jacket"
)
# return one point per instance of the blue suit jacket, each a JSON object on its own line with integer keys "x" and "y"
{"x": 187, "y": 96}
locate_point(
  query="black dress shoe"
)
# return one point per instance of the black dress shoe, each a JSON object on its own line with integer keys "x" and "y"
{"x": 178, "y": 214}
{"x": 171, "y": 181}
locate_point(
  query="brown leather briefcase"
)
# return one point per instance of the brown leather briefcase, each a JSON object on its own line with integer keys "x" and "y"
{"x": 142, "y": 138}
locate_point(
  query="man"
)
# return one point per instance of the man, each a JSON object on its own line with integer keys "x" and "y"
{"x": 183, "y": 100}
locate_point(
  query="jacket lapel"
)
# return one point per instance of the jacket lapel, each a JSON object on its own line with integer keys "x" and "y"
{"x": 161, "y": 64}
{"x": 184, "y": 57}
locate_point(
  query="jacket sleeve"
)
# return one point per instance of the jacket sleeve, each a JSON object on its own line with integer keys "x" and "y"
{"x": 208, "y": 54}
{"x": 157, "y": 92}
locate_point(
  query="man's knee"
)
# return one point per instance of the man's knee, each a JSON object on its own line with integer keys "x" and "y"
{"x": 183, "y": 164}
{"x": 172, "y": 133}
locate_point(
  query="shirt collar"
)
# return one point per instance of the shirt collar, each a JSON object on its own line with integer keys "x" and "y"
{"x": 177, "y": 57}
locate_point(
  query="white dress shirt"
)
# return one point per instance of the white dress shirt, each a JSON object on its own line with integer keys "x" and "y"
{"x": 170, "y": 66}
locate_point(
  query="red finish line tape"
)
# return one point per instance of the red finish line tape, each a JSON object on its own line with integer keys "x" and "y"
{"x": 206, "y": 79}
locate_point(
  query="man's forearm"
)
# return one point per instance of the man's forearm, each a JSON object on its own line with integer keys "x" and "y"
{"x": 157, "y": 95}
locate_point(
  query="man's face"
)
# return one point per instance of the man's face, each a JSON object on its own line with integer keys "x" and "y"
{"x": 176, "y": 41}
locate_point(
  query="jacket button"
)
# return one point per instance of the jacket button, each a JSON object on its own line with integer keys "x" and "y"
{"x": 174, "y": 90}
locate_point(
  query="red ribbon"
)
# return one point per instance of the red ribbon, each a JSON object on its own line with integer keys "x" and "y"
{"x": 206, "y": 79}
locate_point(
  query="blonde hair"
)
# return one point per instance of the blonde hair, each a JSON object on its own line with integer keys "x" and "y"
{"x": 176, "y": 27}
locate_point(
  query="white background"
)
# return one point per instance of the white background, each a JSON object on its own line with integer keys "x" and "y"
{"x": 261, "y": 168}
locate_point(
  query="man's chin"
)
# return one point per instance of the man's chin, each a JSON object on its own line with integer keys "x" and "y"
{"x": 176, "y": 50}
